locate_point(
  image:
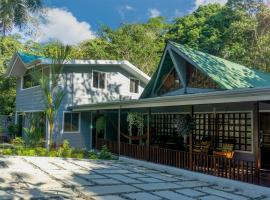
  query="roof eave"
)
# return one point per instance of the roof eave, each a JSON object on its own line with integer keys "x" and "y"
{"x": 228, "y": 96}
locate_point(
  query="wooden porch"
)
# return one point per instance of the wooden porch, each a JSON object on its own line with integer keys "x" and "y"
{"x": 240, "y": 170}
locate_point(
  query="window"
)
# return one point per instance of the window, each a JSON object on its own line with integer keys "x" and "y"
{"x": 28, "y": 80}
{"x": 134, "y": 85}
{"x": 196, "y": 79}
{"x": 71, "y": 122}
{"x": 171, "y": 82}
{"x": 99, "y": 79}
{"x": 234, "y": 127}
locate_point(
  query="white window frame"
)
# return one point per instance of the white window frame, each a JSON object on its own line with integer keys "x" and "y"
{"x": 22, "y": 78}
{"x": 105, "y": 81}
{"x": 138, "y": 85}
{"x": 63, "y": 122}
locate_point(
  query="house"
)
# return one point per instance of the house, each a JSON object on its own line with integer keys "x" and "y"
{"x": 229, "y": 102}
{"x": 84, "y": 82}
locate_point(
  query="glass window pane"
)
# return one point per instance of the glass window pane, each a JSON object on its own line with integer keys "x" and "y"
{"x": 75, "y": 122}
{"x": 27, "y": 81}
{"x": 95, "y": 79}
{"x": 67, "y": 122}
{"x": 102, "y": 80}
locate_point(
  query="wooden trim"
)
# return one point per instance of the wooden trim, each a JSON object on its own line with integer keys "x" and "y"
{"x": 119, "y": 131}
{"x": 256, "y": 141}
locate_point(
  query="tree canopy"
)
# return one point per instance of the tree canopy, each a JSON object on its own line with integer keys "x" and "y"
{"x": 238, "y": 31}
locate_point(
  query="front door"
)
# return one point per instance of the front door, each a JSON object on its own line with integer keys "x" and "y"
{"x": 265, "y": 140}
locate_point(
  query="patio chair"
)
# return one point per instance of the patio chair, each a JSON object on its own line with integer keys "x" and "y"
{"x": 202, "y": 147}
{"x": 226, "y": 151}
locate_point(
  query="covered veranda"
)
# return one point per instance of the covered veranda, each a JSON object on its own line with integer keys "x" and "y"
{"x": 225, "y": 141}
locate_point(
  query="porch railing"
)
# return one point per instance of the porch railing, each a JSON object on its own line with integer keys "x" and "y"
{"x": 235, "y": 169}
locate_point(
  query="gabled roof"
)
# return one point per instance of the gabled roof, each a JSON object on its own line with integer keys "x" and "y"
{"x": 227, "y": 74}
{"x": 25, "y": 60}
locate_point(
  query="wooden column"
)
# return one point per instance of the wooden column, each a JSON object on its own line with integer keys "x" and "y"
{"x": 256, "y": 141}
{"x": 119, "y": 131}
{"x": 148, "y": 134}
{"x": 191, "y": 142}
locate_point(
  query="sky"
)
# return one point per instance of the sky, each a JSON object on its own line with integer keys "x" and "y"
{"x": 72, "y": 21}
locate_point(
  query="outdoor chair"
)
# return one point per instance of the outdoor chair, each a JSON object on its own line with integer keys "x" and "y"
{"x": 226, "y": 151}
{"x": 202, "y": 147}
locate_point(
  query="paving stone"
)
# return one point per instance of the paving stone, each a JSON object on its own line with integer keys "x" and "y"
{"x": 136, "y": 175}
{"x": 158, "y": 186}
{"x": 162, "y": 177}
{"x": 142, "y": 195}
{"x": 226, "y": 189}
{"x": 172, "y": 195}
{"x": 190, "y": 192}
{"x": 107, "y": 181}
{"x": 90, "y": 176}
{"x": 193, "y": 184}
{"x": 211, "y": 197}
{"x": 252, "y": 194}
{"x": 6, "y": 195}
{"x": 102, "y": 190}
{"x": 150, "y": 180}
{"x": 109, "y": 171}
{"x": 108, "y": 197}
{"x": 221, "y": 193}
{"x": 123, "y": 178}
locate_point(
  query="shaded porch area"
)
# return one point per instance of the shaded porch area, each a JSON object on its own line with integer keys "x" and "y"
{"x": 224, "y": 142}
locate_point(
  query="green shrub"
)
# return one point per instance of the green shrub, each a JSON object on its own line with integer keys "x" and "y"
{"x": 18, "y": 142}
{"x": 65, "y": 150}
{"x": 13, "y": 130}
{"x": 7, "y": 152}
{"x": 104, "y": 153}
{"x": 79, "y": 153}
{"x": 40, "y": 151}
{"x": 93, "y": 155}
{"x": 52, "y": 153}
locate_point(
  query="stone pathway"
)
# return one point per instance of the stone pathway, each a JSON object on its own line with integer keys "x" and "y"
{"x": 55, "y": 178}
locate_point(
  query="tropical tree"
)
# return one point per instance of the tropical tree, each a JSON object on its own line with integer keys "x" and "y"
{"x": 49, "y": 84}
{"x": 17, "y": 13}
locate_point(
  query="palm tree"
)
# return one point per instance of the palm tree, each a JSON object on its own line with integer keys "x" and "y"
{"x": 16, "y": 13}
{"x": 49, "y": 84}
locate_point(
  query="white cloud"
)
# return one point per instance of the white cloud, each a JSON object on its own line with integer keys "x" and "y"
{"x": 60, "y": 24}
{"x": 153, "y": 12}
{"x": 204, "y": 2}
{"x": 130, "y": 8}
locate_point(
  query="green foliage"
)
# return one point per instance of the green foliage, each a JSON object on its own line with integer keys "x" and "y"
{"x": 13, "y": 130}
{"x": 35, "y": 132}
{"x": 93, "y": 155}
{"x": 79, "y": 153}
{"x": 40, "y": 151}
{"x": 135, "y": 119}
{"x": 17, "y": 13}
{"x": 104, "y": 153}
{"x": 65, "y": 150}
{"x": 18, "y": 142}
{"x": 7, "y": 152}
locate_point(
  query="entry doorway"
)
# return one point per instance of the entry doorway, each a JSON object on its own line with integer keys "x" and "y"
{"x": 265, "y": 140}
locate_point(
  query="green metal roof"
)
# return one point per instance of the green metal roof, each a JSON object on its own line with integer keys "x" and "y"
{"x": 227, "y": 74}
{"x": 28, "y": 58}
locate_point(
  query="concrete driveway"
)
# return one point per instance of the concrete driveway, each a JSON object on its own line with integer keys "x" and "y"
{"x": 55, "y": 178}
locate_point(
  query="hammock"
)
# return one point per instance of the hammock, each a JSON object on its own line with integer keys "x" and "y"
{"x": 144, "y": 136}
{"x": 134, "y": 137}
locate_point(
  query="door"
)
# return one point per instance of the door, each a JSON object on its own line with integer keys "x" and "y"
{"x": 265, "y": 140}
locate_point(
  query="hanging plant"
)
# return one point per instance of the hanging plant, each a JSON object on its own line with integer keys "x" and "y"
{"x": 185, "y": 124}
{"x": 135, "y": 119}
